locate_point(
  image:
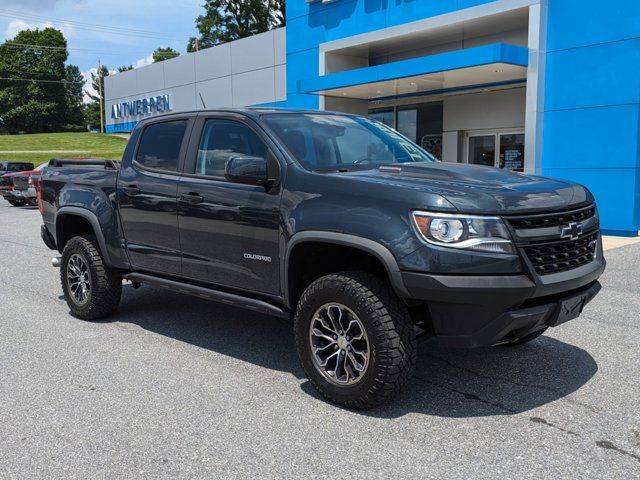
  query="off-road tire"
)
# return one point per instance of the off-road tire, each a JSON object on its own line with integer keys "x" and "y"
{"x": 389, "y": 329}
{"x": 525, "y": 339}
{"x": 17, "y": 203}
{"x": 105, "y": 283}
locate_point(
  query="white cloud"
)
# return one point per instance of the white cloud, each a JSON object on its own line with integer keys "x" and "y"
{"x": 148, "y": 60}
{"x": 15, "y": 26}
{"x": 88, "y": 85}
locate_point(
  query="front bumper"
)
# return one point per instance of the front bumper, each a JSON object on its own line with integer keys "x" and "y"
{"x": 476, "y": 311}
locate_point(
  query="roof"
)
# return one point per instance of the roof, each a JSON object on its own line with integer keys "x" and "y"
{"x": 247, "y": 111}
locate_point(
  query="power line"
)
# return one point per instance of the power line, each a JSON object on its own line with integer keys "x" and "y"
{"x": 97, "y": 28}
{"x": 74, "y": 22}
{"x": 78, "y": 51}
{"x": 40, "y": 80}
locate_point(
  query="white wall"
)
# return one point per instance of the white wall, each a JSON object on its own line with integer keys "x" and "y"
{"x": 495, "y": 110}
{"x": 246, "y": 72}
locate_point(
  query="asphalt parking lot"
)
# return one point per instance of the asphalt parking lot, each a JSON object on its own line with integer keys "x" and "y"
{"x": 174, "y": 386}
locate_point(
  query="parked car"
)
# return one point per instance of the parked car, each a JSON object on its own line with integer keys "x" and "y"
{"x": 340, "y": 224}
{"x": 24, "y": 184}
{"x": 8, "y": 170}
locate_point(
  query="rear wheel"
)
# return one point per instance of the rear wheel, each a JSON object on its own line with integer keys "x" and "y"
{"x": 355, "y": 339}
{"x": 17, "y": 203}
{"x": 92, "y": 290}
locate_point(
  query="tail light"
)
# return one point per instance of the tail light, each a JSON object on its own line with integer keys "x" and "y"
{"x": 39, "y": 196}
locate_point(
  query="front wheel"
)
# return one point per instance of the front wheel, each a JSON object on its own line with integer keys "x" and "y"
{"x": 92, "y": 290}
{"x": 355, "y": 339}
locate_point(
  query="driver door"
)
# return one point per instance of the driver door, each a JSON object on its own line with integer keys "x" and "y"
{"x": 229, "y": 232}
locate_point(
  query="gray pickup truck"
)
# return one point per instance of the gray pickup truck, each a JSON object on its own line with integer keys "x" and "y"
{"x": 334, "y": 221}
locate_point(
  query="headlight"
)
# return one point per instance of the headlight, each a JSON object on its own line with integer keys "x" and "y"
{"x": 484, "y": 234}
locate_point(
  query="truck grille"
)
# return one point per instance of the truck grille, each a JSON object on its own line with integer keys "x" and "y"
{"x": 21, "y": 182}
{"x": 538, "y": 236}
{"x": 564, "y": 255}
{"x": 552, "y": 220}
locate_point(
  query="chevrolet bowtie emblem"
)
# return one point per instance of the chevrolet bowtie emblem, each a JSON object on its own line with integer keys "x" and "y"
{"x": 571, "y": 230}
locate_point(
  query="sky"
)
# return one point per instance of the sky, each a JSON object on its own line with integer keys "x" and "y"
{"x": 116, "y": 32}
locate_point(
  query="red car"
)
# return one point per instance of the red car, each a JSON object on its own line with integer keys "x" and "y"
{"x": 25, "y": 184}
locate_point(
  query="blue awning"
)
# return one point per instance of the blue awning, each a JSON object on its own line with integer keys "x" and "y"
{"x": 486, "y": 64}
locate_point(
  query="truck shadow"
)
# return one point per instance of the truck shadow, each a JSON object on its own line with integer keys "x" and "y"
{"x": 447, "y": 382}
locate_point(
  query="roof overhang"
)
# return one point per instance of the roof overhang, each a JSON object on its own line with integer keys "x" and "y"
{"x": 495, "y": 64}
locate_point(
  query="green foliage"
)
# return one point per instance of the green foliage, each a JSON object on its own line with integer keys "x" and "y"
{"x": 228, "y": 20}
{"x": 75, "y": 106}
{"x": 160, "y": 54}
{"x": 38, "y": 95}
{"x": 92, "y": 114}
{"x": 125, "y": 68}
{"x": 61, "y": 145}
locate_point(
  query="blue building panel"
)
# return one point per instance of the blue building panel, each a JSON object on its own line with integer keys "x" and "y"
{"x": 591, "y": 138}
{"x": 601, "y": 74}
{"x": 442, "y": 62}
{"x": 579, "y": 23}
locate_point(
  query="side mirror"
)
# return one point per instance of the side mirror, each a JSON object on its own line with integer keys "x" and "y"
{"x": 247, "y": 169}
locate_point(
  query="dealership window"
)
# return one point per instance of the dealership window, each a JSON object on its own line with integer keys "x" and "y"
{"x": 384, "y": 116}
{"x": 421, "y": 123}
{"x": 223, "y": 139}
{"x": 160, "y": 145}
{"x": 497, "y": 149}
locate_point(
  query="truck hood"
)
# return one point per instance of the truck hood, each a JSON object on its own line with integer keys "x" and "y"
{"x": 480, "y": 189}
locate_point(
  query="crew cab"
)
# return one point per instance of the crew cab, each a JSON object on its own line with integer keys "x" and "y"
{"x": 334, "y": 221}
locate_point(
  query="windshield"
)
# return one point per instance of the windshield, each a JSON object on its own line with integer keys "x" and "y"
{"x": 323, "y": 142}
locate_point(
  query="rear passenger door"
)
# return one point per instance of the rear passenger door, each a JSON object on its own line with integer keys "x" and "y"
{"x": 147, "y": 187}
{"x": 229, "y": 232}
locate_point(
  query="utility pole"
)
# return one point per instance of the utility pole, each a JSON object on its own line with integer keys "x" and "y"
{"x": 101, "y": 98}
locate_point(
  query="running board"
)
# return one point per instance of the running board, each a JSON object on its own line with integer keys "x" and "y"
{"x": 209, "y": 294}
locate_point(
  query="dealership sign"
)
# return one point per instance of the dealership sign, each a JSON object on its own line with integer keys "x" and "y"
{"x": 141, "y": 106}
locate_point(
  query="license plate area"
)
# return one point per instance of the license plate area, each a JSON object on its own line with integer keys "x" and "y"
{"x": 570, "y": 308}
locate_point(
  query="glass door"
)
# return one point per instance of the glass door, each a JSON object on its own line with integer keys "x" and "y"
{"x": 482, "y": 150}
{"x": 497, "y": 149}
{"x": 511, "y": 151}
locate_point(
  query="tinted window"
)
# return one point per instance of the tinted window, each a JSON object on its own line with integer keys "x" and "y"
{"x": 160, "y": 145}
{"x": 19, "y": 167}
{"x": 223, "y": 139}
{"x": 334, "y": 142}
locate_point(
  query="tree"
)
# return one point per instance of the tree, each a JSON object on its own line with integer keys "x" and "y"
{"x": 228, "y": 20}
{"x": 74, "y": 105}
{"x": 34, "y": 95}
{"x": 97, "y": 82}
{"x": 160, "y": 54}
{"x": 92, "y": 113}
{"x": 125, "y": 68}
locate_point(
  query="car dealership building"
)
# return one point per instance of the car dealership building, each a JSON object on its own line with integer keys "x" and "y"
{"x": 550, "y": 87}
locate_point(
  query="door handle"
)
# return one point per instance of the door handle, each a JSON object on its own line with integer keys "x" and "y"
{"x": 131, "y": 190}
{"x": 191, "y": 198}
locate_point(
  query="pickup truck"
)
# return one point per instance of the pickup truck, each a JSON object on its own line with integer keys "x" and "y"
{"x": 24, "y": 184}
{"x": 8, "y": 172}
{"x": 334, "y": 221}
